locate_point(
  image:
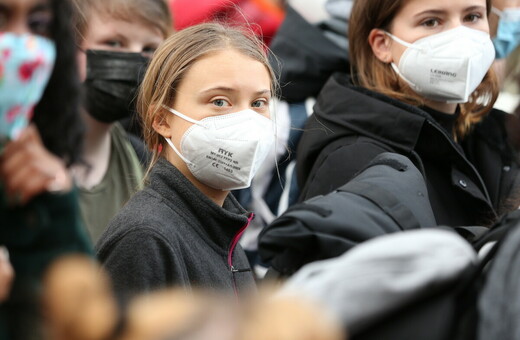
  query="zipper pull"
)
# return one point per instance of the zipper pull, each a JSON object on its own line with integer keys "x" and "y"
{"x": 234, "y": 270}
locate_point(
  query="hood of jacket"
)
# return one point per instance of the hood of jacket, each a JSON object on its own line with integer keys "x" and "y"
{"x": 304, "y": 57}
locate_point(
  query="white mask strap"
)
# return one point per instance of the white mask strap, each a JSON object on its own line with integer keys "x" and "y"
{"x": 177, "y": 113}
{"x": 400, "y": 41}
{"x": 496, "y": 11}
{"x": 169, "y": 141}
{"x": 396, "y": 69}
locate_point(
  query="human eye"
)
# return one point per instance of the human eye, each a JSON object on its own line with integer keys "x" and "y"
{"x": 430, "y": 22}
{"x": 220, "y": 102}
{"x": 113, "y": 43}
{"x": 148, "y": 51}
{"x": 473, "y": 17}
{"x": 39, "y": 22}
{"x": 259, "y": 103}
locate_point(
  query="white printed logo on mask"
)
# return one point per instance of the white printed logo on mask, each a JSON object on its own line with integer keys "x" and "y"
{"x": 446, "y": 66}
{"x": 225, "y": 152}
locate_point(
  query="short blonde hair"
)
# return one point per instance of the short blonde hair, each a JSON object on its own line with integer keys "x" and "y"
{"x": 152, "y": 13}
{"x": 174, "y": 58}
{"x": 375, "y": 75}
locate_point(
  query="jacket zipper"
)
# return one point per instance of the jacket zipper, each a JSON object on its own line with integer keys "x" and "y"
{"x": 471, "y": 166}
{"x": 232, "y": 247}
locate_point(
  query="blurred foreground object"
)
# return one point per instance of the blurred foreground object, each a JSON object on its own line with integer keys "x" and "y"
{"x": 78, "y": 300}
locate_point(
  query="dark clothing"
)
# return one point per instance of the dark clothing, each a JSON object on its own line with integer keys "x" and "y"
{"x": 47, "y": 227}
{"x": 447, "y": 120}
{"x": 499, "y": 300}
{"x": 305, "y": 57}
{"x": 467, "y": 183}
{"x": 388, "y": 196}
{"x": 171, "y": 234}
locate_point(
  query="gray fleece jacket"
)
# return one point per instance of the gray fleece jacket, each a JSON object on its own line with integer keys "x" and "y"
{"x": 171, "y": 234}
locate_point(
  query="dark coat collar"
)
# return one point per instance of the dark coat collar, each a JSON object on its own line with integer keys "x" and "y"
{"x": 221, "y": 223}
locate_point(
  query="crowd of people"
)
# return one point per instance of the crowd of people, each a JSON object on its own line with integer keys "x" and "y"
{"x": 259, "y": 169}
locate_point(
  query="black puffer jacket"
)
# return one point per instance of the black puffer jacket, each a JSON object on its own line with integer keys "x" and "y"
{"x": 388, "y": 196}
{"x": 468, "y": 183}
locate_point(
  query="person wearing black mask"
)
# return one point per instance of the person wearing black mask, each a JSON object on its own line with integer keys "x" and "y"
{"x": 116, "y": 39}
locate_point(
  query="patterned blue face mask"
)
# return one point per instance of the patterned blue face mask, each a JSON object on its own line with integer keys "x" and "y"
{"x": 508, "y": 31}
{"x": 26, "y": 63}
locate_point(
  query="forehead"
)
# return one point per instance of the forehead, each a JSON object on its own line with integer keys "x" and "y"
{"x": 103, "y": 25}
{"x": 24, "y": 5}
{"x": 234, "y": 67}
{"x": 440, "y": 4}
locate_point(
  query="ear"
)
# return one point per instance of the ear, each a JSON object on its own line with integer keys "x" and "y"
{"x": 160, "y": 122}
{"x": 380, "y": 43}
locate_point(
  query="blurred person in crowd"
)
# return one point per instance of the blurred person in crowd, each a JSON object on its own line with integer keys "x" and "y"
{"x": 505, "y": 28}
{"x": 209, "y": 129}
{"x": 38, "y": 204}
{"x": 422, "y": 87}
{"x": 264, "y": 16}
{"x": 116, "y": 39}
{"x": 504, "y": 21}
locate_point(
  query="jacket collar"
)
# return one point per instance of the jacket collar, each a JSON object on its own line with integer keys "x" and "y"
{"x": 207, "y": 218}
{"x": 345, "y": 108}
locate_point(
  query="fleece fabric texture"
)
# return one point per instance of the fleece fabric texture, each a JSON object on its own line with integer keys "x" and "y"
{"x": 171, "y": 234}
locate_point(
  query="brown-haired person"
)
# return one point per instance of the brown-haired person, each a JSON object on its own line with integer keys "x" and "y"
{"x": 116, "y": 39}
{"x": 421, "y": 87}
{"x": 204, "y": 103}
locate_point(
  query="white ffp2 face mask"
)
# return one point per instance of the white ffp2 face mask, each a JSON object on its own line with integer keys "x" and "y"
{"x": 224, "y": 152}
{"x": 446, "y": 66}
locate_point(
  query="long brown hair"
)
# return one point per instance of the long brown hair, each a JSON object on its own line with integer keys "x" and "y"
{"x": 370, "y": 72}
{"x": 175, "y": 57}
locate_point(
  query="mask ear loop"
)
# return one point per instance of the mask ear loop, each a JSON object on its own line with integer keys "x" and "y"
{"x": 168, "y": 140}
{"x": 394, "y": 66}
{"x": 186, "y": 118}
{"x": 496, "y": 11}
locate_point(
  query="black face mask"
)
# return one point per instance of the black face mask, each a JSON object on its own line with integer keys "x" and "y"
{"x": 113, "y": 79}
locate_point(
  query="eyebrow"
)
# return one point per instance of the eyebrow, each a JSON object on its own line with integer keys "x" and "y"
{"x": 430, "y": 12}
{"x": 473, "y": 8}
{"x": 441, "y": 11}
{"x": 229, "y": 89}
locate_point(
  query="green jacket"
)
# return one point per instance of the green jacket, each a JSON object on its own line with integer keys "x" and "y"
{"x": 36, "y": 234}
